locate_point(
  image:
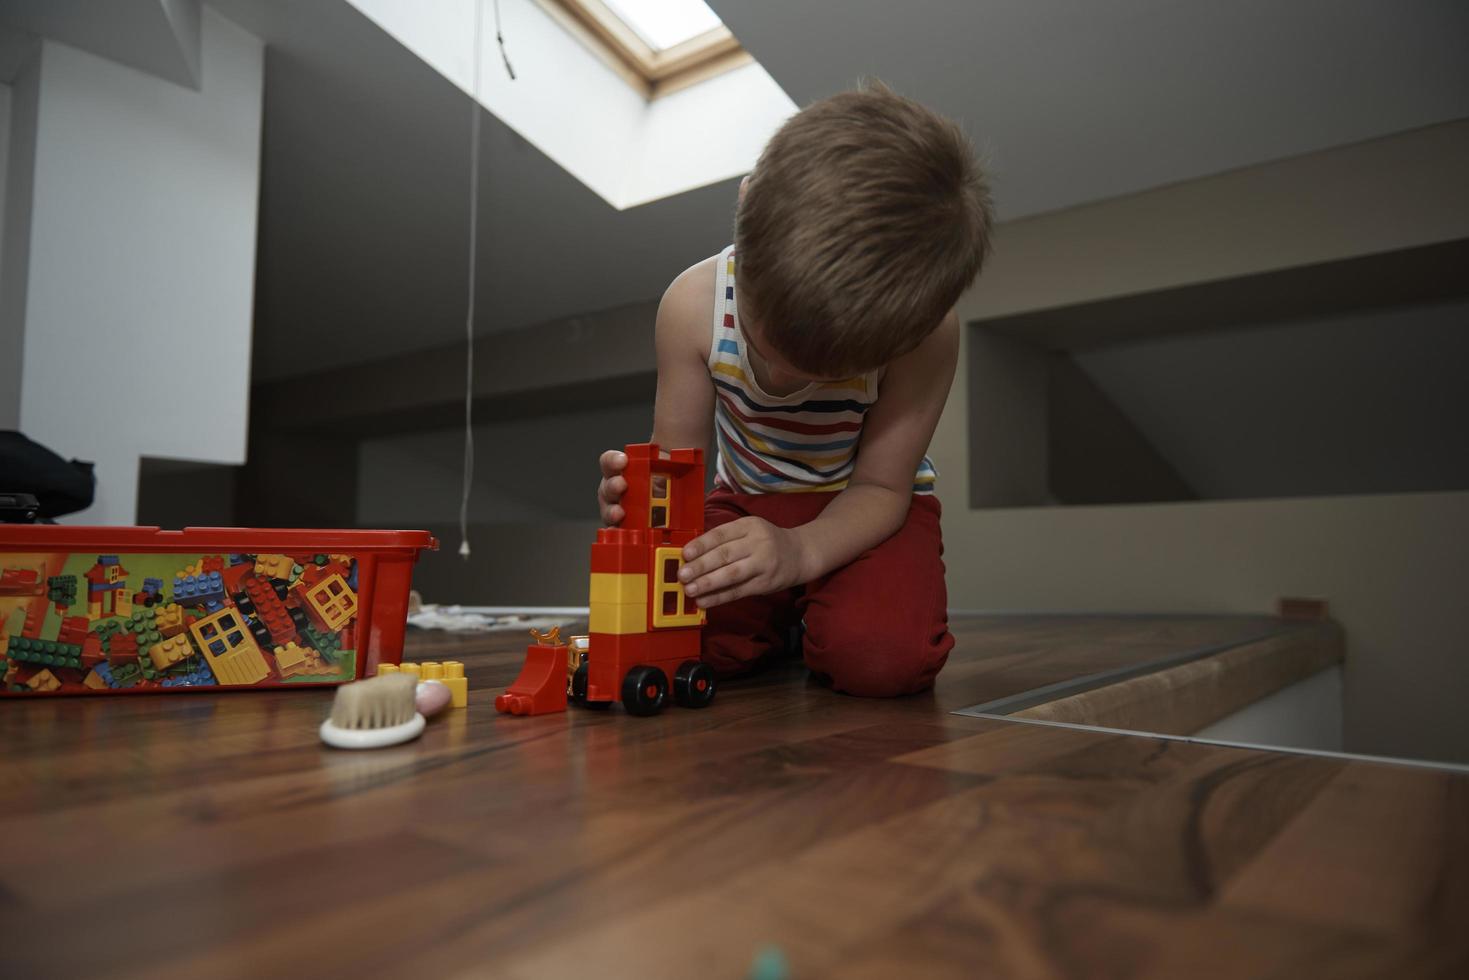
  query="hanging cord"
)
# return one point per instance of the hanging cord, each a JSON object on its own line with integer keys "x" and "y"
{"x": 474, "y": 109}
{"x": 500, "y": 40}
{"x": 469, "y": 314}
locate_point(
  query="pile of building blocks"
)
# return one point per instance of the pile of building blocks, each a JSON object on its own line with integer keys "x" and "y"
{"x": 194, "y": 621}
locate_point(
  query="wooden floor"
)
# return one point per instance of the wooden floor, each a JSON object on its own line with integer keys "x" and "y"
{"x": 212, "y": 836}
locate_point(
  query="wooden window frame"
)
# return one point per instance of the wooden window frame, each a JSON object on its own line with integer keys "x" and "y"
{"x": 652, "y": 73}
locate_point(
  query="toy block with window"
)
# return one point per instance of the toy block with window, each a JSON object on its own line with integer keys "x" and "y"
{"x": 643, "y": 641}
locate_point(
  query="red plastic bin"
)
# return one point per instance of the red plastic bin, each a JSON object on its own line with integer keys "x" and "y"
{"x": 119, "y": 610}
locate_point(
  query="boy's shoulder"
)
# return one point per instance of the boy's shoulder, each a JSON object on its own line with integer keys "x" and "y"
{"x": 686, "y": 313}
{"x": 693, "y": 287}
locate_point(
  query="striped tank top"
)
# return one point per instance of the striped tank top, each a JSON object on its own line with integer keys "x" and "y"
{"x": 802, "y": 442}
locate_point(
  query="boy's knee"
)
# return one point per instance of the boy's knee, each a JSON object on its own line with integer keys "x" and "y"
{"x": 869, "y": 661}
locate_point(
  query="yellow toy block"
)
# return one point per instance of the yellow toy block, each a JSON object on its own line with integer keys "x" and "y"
{"x": 619, "y": 589}
{"x": 333, "y": 601}
{"x": 619, "y": 617}
{"x": 450, "y": 673}
{"x": 169, "y": 619}
{"x": 94, "y": 681}
{"x": 44, "y": 681}
{"x": 274, "y": 566}
{"x": 240, "y": 660}
{"x": 291, "y": 660}
{"x": 670, "y": 593}
{"x": 170, "y": 651}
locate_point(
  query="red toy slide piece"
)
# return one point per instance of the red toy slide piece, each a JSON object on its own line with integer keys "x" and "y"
{"x": 541, "y": 687}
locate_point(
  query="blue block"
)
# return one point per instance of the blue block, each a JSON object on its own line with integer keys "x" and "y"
{"x": 197, "y": 590}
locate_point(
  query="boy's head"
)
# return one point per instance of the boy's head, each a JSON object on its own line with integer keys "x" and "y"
{"x": 865, "y": 219}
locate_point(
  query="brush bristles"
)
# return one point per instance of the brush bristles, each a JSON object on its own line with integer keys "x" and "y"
{"x": 378, "y": 702}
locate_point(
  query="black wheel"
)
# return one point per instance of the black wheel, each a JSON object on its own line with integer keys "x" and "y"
{"x": 693, "y": 684}
{"x": 579, "y": 690}
{"x": 644, "y": 690}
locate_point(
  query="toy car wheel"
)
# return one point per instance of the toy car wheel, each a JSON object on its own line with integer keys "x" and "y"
{"x": 644, "y": 690}
{"x": 693, "y": 684}
{"x": 579, "y": 690}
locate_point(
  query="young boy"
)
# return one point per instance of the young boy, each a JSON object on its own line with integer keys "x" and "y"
{"x": 832, "y": 349}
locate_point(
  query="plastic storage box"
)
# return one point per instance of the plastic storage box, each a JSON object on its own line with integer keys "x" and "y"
{"x": 107, "y": 610}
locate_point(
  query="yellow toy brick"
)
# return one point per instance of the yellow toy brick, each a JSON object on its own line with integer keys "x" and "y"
{"x": 169, "y": 619}
{"x": 291, "y": 659}
{"x": 620, "y": 618}
{"x": 619, "y": 589}
{"x": 333, "y": 601}
{"x": 170, "y": 651}
{"x": 274, "y": 566}
{"x": 94, "y": 681}
{"x": 450, "y": 673}
{"x": 230, "y": 649}
{"x": 43, "y": 681}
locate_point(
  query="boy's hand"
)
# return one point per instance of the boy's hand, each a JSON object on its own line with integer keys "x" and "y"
{"x": 746, "y": 557}
{"x": 612, "y": 487}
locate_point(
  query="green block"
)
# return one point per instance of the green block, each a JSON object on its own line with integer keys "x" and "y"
{"x": 327, "y": 644}
{"x": 107, "y": 628}
{"x": 45, "y": 653}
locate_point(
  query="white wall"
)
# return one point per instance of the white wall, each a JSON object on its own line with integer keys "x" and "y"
{"x": 1393, "y": 566}
{"x": 141, "y": 262}
{"x": 4, "y": 158}
{"x": 20, "y": 158}
{"x": 1305, "y": 715}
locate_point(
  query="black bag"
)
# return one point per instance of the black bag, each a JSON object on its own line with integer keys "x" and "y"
{"x": 26, "y": 467}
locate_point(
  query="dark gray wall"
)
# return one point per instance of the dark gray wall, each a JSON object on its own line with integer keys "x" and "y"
{"x": 1370, "y": 403}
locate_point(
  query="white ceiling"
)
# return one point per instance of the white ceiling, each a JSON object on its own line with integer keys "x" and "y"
{"x": 156, "y": 36}
{"x": 363, "y": 225}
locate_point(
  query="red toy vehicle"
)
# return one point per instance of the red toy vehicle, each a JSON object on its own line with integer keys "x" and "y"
{"x": 644, "y": 632}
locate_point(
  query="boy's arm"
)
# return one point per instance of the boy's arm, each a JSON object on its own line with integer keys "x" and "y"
{"x": 753, "y": 557}
{"x": 683, "y": 411}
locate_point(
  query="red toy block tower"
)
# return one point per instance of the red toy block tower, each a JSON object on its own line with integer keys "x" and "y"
{"x": 644, "y": 632}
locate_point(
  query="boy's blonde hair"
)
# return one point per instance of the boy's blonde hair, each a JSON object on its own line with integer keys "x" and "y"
{"x": 866, "y": 217}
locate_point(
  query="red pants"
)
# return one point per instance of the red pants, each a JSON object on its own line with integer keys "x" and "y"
{"x": 877, "y": 627}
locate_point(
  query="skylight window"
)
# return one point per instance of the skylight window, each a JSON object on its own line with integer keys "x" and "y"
{"x": 657, "y": 46}
{"x": 662, "y": 24}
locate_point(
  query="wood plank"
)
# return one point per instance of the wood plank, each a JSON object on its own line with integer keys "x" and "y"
{"x": 1182, "y": 700}
{"x": 212, "y": 835}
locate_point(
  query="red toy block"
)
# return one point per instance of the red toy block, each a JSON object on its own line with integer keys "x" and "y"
{"x": 211, "y": 563}
{"x": 122, "y": 649}
{"x": 92, "y": 654}
{"x": 233, "y": 575}
{"x": 31, "y": 628}
{"x": 314, "y": 574}
{"x": 269, "y": 609}
{"x": 541, "y": 687}
{"x": 20, "y": 581}
{"x": 73, "y": 630}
